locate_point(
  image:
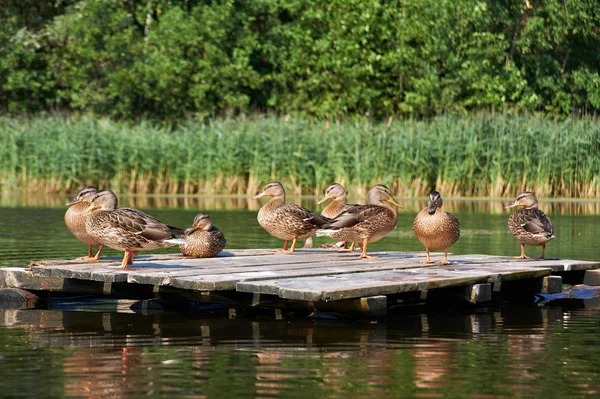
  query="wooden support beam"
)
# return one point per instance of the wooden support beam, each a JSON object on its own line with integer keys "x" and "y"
{"x": 374, "y": 305}
{"x": 478, "y": 293}
{"x": 107, "y": 288}
{"x": 592, "y": 277}
{"x": 551, "y": 285}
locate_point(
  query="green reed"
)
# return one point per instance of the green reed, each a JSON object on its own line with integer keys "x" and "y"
{"x": 491, "y": 155}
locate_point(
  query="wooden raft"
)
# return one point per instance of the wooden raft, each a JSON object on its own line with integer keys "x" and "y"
{"x": 318, "y": 279}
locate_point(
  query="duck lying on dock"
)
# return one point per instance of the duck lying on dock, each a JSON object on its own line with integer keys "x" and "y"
{"x": 286, "y": 221}
{"x": 529, "y": 225}
{"x": 365, "y": 223}
{"x": 127, "y": 229}
{"x": 203, "y": 239}
{"x": 435, "y": 228}
{"x": 75, "y": 218}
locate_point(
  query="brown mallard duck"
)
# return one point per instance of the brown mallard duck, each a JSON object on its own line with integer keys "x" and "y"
{"x": 337, "y": 193}
{"x": 529, "y": 225}
{"x": 204, "y": 240}
{"x": 435, "y": 228}
{"x": 339, "y": 204}
{"x": 286, "y": 221}
{"x": 75, "y": 220}
{"x": 365, "y": 223}
{"x": 127, "y": 229}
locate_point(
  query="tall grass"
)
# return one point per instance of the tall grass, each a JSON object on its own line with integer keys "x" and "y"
{"x": 491, "y": 155}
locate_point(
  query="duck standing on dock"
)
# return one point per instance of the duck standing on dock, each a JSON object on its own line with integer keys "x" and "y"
{"x": 365, "y": 223}
{"x": 75, "y": 220}
{"x": 529, "y": 225}
{"x": 204, "y": 240}
{"x": 286, "y": 221}
{"x": 435, "y": 228}
{"x": 339, "y": 204}
{"x": 127, "y": 229}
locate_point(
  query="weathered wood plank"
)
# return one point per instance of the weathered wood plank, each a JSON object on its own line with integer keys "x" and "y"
{"x": 228, "y": 279}
{"x": 336, "y": 287}
{"x": 146, "y": 257}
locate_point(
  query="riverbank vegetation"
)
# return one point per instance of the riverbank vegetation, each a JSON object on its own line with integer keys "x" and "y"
{"x": 487, "y": 155}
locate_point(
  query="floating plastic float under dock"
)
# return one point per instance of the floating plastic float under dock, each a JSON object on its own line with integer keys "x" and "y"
{"x": 319, "y": 280}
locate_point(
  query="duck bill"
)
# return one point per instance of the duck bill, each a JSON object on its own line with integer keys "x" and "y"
{"x": 391, "y": 201}
{"x": 431, "y": 208}
{"x": 261, "y": 194}
{"x": 322, "y": 200}
{"x": 512, "y": 205}
{"x": 74, "y": 202}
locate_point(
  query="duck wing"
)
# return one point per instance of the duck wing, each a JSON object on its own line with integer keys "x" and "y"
{"x": 298, "y": 212}
{"x": 354, "y": 216}
{"x": 536, "y": 222}
{"x": 143, "y": 225}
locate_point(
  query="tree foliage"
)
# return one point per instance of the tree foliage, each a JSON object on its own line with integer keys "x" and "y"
{"x": 168, "y": 59}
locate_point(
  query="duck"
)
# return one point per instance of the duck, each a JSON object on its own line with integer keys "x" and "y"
{"x": 204, "y": 240}
{"x": 339, "y": 204}
{"x": 435, "y": 228}
{"x": 365, "y": 223}
{"x": 529, "y": 225}
{"x": 127, "y": 229}
{"x": 75, "y": 221}
{"x": 288, "y": 222}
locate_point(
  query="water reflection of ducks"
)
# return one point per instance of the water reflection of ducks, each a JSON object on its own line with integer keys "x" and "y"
{"x": 101, "y": 372}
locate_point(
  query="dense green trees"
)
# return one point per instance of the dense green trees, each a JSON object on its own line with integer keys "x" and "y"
{"x": 170, "y": 59}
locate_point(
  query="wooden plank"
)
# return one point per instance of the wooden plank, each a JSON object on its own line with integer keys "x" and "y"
{"x": 18, "y": 277}
{"x": 186, "y": 266}
{"x": 336, "y": 287}
{"x": 146, "y": 257}
{"x": 225, "y": 281}
{"x": 314, "y": 262}
{"x": 560, "y": 265}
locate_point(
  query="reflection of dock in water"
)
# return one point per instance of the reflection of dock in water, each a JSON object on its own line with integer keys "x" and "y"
{"x": 118, "y": 354}
{"x": 309, "y": 280}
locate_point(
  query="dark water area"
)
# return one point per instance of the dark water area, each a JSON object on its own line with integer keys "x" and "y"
{"x": 78, "y": 347}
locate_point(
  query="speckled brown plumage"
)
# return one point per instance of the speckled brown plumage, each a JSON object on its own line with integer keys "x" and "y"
{"x": 127, "y": 229}
{"x": 435, "y": 228}
{"x": 365, "y": 223}
{"x": 203, "y": 239}
{"x": 529, "y": 225}
{"x": 75, "y": 219}
{"x": 286, "y": 221}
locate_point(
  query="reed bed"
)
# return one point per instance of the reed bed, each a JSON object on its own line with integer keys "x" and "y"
{"x": 481, "y": 156}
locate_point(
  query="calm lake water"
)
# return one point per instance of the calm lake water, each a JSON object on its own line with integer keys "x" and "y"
{"x": 76, "y": 348}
